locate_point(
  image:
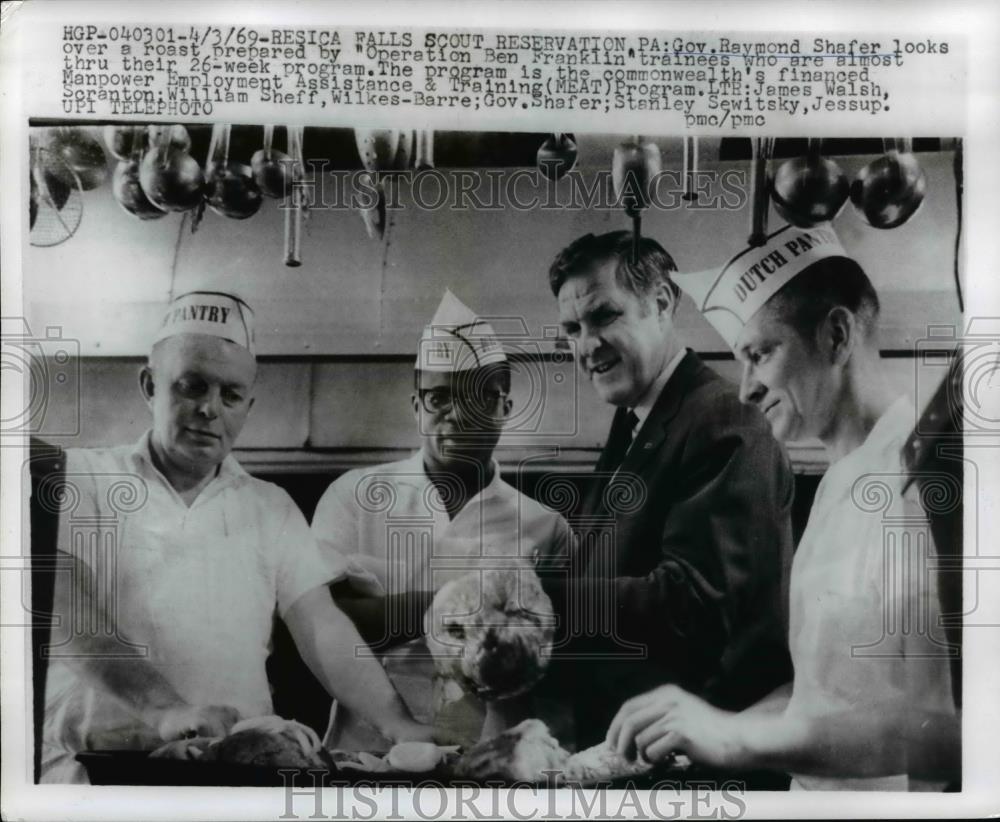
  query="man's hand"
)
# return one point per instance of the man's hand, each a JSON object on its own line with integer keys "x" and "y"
{"x": 669, "y": 719}
{"x": 189, "y": 720}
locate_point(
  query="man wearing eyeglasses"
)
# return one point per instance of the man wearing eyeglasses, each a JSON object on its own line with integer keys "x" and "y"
{"x": 408, "y": 527}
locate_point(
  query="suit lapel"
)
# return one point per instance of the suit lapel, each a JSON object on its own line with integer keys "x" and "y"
{"x": 690, "y": 372}
{"x": 619, "y": 438}
{"x": 607, "y": 463}
{"x": 654, "y": 429}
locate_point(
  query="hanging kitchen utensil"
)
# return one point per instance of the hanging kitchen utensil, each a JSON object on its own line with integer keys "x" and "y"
{"x": 125, "y": 186}
{"x": 556, "y": 156}
{"x": 378, "y": 149}
{"x": 957, "y": 168}
{"x": 32, "y": 201}
{"x": 232, "y": 190}
{"x": 57, "y": 215}
{"x": 634, "y": 168}
{"x": 119, "y": 140}
{"x": 272, "y": 169}
{"x": 371, "y": 205}
{"x": 762, "y": 149}
{"x": 690, "y": 169}
{"x": 406, "y": 150}
{"x": 82, "y": 154}
{"x": 293, "y": 204}
{"x": 425, "y": 150}
{"x": 54, "y": 171}
{"x": 175, "y": 137}
{"x": 888, "y": 191}
{"x": 811, "y": 189}
{"x": 170, "y": 177}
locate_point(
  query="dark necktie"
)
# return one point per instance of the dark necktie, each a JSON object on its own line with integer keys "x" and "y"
{"x": 622, "y": 440}
{"x": 633, "y": 423}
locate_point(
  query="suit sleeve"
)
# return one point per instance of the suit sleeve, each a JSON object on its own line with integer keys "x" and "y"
{"x": 722, "y": 553}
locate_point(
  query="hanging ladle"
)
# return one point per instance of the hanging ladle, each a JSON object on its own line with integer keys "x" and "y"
{"x": 293, "y": 205}
{"x": 634, "y": 168}
{"x": 690, "y": 169}
{"x": 762, "y": 148}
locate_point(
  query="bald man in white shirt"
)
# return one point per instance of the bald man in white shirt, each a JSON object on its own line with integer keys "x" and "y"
{"x": 203, "y": 557}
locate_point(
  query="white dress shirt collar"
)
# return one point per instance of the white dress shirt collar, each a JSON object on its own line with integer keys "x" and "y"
{"x": 648, "y": 400}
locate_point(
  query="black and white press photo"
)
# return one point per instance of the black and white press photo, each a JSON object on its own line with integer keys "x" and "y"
{"x": 558, "y": 421}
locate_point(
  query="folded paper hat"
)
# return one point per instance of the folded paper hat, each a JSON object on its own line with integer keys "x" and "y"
{"x": 209, "y": 312}
{"x": 457, "y": 340}
{"x": 729, "y": 297}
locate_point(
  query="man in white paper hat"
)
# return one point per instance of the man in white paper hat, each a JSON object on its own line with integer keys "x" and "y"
{"x": 871, "y": 703}
{"x": 203, "y": 556}
{"x": 450, "y": 497}
{"x": 694, "y": 577}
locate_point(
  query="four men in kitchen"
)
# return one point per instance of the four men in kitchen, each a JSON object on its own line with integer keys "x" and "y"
{"x": 682, "y": 544}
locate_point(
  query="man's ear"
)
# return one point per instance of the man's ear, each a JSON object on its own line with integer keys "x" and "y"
{"x": 665, "y": 300}
{"x": 146, "y": 384}
{"x": 840, "y": 333}
{"x": 415, "y": 405}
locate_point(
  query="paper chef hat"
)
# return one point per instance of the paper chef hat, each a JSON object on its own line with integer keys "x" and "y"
{"x": 209, "y": 312}
{"x": 457, "y": 340}
{"x": 729, "y": 297}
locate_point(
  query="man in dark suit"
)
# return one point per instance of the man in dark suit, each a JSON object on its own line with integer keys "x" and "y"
{"x": 684, "y": 535}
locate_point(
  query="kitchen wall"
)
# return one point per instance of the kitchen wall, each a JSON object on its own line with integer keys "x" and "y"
{"x": 327, "y": 416}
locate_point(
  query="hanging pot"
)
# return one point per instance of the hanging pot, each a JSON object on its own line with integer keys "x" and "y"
{"x": 119, "y": 140}
{"x": 175, "y": 138}
{"x": 557, "y": 156}
{"x": 83, "y": 155}
{"x": 888, "y": 191}
{"x": 172, "y": 180}
{"x": 125, "y": 185}
{"x": 231, "y": 190}
{"x": 52, "y": 180}
{"x": 273, "y": 170}
{"x": 809, "y": 190}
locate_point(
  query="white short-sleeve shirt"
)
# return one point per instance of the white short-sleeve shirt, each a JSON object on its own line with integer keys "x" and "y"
{"x": 864, "y": 627}
{"x": 194, "y": 589}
